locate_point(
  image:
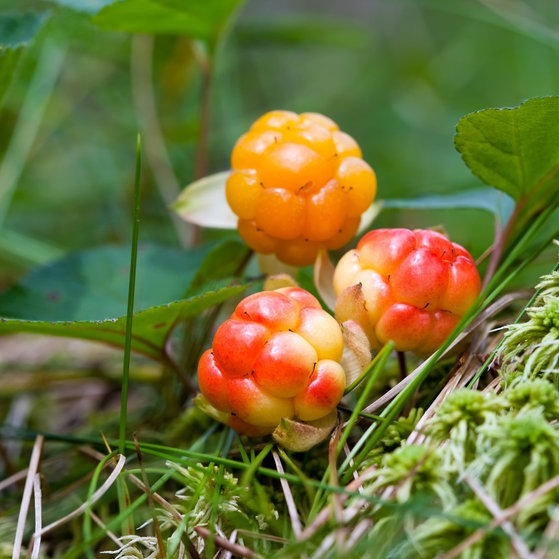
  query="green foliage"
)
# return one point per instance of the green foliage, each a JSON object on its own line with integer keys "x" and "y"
{"x": 529, "y": 348}
{"x": 92, "y": 285}
{"x": 515, "y": 150}
{"x": 486, "y": 199}
{"x": 200, "y": 19}
{"x": 151, "y": 327}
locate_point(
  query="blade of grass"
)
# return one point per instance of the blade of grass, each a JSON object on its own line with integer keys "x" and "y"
{"x": 289, "y": 499}
{"x": 38, "y": 515}
{"x": 80, "y": 548}
{"x": 26, "y": 498}
{"x": 371, "y": 374}
{"x": 298, "y": 471}
{"x": 255, "y": 464}
{"x": 94, "y": 495}
{"x": 131, "y": 292}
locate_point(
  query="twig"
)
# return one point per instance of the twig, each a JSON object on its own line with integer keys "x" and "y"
{"x": 224, "y": 543}
{"x": 38, "y": 515}
{"x": 27, "y": 492}
{"x": 289, "y": 500}
{"x": 550, "y": 533}
{"x": 5, "y": 483}
{"x": 102, "y": 525}
{"x": 518, "y": 543}
{"x": 459, "y": 379}
{"x": 337, "y": 502}
{"x": 94, "y": 498}
{"x": 506, "y": 514}
{"x": 156, "y": 527}
{"x": 324, "y": 515}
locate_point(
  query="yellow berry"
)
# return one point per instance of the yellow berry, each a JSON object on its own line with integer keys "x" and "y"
{"x": 298, "y": 185}
{"x": 294, "y": 167}
{"x": 325, "y": 215}
{"x": 359, "y": 181}
{"x": 280, "y": 214}
{"x": 346, "y": 146}
{"x": 256, "y": 238}
{"x": 242, "y": 191}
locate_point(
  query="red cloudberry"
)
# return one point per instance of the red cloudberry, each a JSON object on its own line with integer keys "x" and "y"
{"x": 277, "y": 356}
{"x": 298, "y": 185}
{"x": 411, "y": 287}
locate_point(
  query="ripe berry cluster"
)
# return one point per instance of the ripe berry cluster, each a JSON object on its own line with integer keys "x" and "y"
{"x": 277, "y": 356}
{"x": 298, "y": 184}
{"x": 411, "y": 287}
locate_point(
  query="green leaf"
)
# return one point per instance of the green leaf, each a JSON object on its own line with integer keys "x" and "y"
{"x": 19, "y": 28}
{"x": 223, "y": 261}
{"x": 201, "y": 19}
{"x": 515, "y": 149}
{"x": 486, "y": 199}
{"x": 203, "y": 203}
{"x": 151, "y": 327}
{"x": 93, "y": 284}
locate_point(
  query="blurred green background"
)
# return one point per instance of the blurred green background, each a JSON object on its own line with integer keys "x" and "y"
{"x": 76, "y": 87}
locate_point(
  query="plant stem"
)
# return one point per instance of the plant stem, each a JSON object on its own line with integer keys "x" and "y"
{"x": 19, "y": 149}
{"x": 131, "y": 292}
{"x": 501, "y": 237}
{"x": 143, "y": 98}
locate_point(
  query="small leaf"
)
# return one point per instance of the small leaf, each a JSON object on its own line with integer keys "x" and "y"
{"x": 369, "y": 216}
{"x": 515, "y": 149}
{"x": 223, "y": 261}
{"x": 203, "y": 203}
{"x": 203, "y": 405}
{"x": 298, "y": 436}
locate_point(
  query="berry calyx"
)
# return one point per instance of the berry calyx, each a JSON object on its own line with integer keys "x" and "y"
{"x": 298, "y": 185}
{"x": 276, "y": 357}
{"x": 411, "y": 287}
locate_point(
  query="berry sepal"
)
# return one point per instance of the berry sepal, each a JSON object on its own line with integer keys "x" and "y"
{"x": 300, "y": 436}
{"x": 203, "y": 203}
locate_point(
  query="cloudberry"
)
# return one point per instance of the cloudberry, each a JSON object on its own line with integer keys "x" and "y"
{"x": 276, "y": 357}
{"x": 298, "y": 184}
{"x": 411, "y": 287}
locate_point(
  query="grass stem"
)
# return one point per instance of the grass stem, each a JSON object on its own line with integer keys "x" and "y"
{"x": 131, "y": 293}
